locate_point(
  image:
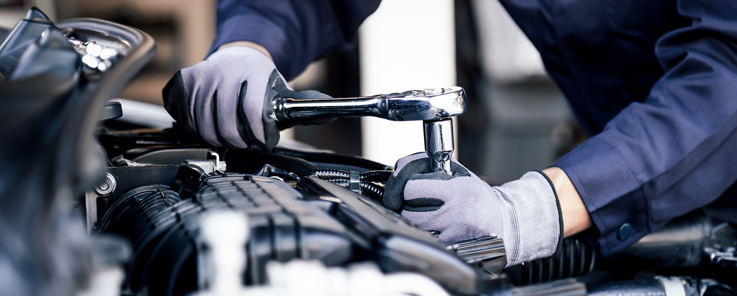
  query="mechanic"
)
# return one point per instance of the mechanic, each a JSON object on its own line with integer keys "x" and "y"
{"x": 651, "y": 81}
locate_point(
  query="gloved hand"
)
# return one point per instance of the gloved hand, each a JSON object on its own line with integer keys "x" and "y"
{"x": 226, "y": 99}
{"x": 525, "y": 212}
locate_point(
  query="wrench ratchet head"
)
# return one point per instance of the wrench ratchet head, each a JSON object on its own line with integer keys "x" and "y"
{"x": 428, "y": 104}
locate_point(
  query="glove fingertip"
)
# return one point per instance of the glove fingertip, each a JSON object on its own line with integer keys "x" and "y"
{"x": 177, "y": 103}
{"x": 244, "y": 130}
{"x": 413, "y": 164}
{"x": 393, "y": 199}
{"x": 173, "y": 93}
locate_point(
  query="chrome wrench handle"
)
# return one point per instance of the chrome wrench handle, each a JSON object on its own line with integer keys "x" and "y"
{"x": 429, "y": 104}
{"x": 289, "y": 109}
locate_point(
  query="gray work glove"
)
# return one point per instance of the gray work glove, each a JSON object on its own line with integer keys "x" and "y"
{"x": 226, "y": 99}
{"x": 525, "y": 212}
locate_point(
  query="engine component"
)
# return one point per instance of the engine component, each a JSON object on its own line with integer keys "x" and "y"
{"x": 222, "y": 255}
{"x": 362, "y": 183}
{"x": 370, "y": 189}
{"x": 285, "y": 225}
{"x": 106, "y": 187}
{"x": 96, "y": 57}
{"x": 568, "y": 287}
{"x": 684, "y": 242}
{"x": 48, "y": 147}
{"x": 488, "y": 252}
{"x": 330, "y": 175}
{"x": 721, "y": 247}
{"x": 392, "y": 241}
{"x": 657, "y": 287}
{"x": 165, "y": 230}
{"x": 665, "y": 286}
{"x": 271, "y": 171}
{"x": 224, "y": 235}
{"x": 574, "y": 259}
{"x": 113, "y": 252}
{"x": 299, "y": 277}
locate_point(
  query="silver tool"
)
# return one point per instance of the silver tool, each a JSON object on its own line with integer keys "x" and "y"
{"x": 434, "y": 107}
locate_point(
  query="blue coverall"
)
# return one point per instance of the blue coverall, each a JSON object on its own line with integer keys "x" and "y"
{"x": 653, "y": 82}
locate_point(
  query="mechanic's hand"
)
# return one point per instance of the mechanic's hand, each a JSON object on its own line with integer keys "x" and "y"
{"x": 226, "y": 99}
{"x": 525, "y": 212}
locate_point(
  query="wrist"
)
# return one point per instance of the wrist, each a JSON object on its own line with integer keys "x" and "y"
{"x": 573, "y": 211}
{"x": 250, "y": 44}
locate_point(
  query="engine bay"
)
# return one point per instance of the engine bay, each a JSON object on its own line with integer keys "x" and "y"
{"x": 301, "y": 207}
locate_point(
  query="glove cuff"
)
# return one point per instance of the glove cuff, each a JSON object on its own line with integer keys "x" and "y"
{"x": 560, "y": 212}
{"x": 533, "y": 224}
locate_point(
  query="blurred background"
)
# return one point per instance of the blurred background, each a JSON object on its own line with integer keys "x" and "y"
{"x": 516, "y": 119}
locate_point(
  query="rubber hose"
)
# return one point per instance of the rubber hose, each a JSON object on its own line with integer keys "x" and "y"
{"x": 370, "y": 176}
{"x": 381, "y": 175}
{"x": 575, "y": 258}
{"x": 331, "y": 174}
{"x": 373, "y": 190}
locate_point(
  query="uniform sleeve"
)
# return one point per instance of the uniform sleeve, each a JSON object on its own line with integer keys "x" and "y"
{"x": 674, "y": 152}
{"x": 295, "y": 32}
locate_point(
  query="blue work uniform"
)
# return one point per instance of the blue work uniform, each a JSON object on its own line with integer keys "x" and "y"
{"x": 654, "y": 82}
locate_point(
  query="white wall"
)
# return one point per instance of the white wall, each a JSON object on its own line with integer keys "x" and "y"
{"x": 406, "y": 44}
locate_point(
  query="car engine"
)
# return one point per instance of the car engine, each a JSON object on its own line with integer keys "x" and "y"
{"x": 166, "y": 214}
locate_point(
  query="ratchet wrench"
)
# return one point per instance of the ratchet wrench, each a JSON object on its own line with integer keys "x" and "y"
{"x": 434, "y": 107}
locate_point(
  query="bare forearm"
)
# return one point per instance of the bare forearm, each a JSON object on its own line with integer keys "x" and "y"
{"x": 575, "y": 216}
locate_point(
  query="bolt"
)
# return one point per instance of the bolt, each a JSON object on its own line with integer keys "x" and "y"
{"x": 107, "y": 187}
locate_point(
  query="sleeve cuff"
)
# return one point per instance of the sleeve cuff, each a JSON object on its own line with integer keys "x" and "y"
{"x": 258, "y": 29}
{"x": 611, "y": 193}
